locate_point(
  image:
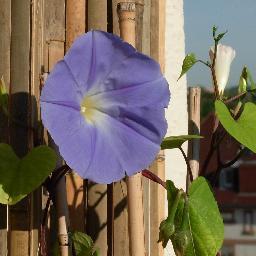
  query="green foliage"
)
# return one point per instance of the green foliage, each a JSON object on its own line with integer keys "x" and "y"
{"x": 188, "y": 63}
{"x": 193, "y": 232}
{"x": 244, "y": 128}
{"x": 19, "y": 177}
{"x": 219, "y": 36}
{"x": 177, "y": 141}
{"x": 83, "y": 245}
{"x": 3, "y": 96}
{"x": 243, "y": 81}
{"x": 214, "y": 30}
{"x": 246, "y": 80}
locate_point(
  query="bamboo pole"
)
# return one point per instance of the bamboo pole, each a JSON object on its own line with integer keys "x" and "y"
{"x": 194, "y": 128}
{"x": 127, "y": 23}
{"x": 75, "y": 26}
{"x": 5, "y": 28}
{"x": 157, "y": 193}
{"x": 60, "y": 200}
{"x": 54, "y": 37}
{"x": 96, "y": 207}
{"x": 20, "y": 215}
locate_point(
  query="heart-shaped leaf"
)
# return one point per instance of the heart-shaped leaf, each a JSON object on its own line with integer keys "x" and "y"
{"x": 244, "y": 128}
{"x": 19, "y": 177}
{"x": 198, "y": 226}
{"x": 177, "y": 141}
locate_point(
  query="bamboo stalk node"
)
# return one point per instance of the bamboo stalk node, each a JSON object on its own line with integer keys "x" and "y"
{"x": 161, "y": 156}
{"x": 63, "y": 239}
{"x": 127, "y": 19}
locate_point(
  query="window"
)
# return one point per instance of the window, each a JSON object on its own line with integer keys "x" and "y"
{"x": 229, "y": 179}
{"x": 248, "y": 222}
{"x": 228, "y": 217}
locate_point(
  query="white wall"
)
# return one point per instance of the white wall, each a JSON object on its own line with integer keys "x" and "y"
{"x": 177, "y": 115}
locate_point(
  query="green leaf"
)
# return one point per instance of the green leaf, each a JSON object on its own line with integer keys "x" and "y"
{"x": 246, "y": 80}
{"x": 177, "y": 141}
{"x": 244, "y": 128}
{"x": 243, "y": 81}
{"x": 3, "y": 96}
{"x": 19, "y": 177}
{"x": 220, "y": 36}
{"x": 83, "y": 244}
{"x": 214, "y": 30}
{"x": 175, "y": 202}
{"x": 199, "y": 228}
{"x": 188, "y": 63}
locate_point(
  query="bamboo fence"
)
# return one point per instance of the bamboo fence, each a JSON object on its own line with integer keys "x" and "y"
{"x": 34, "y": 36}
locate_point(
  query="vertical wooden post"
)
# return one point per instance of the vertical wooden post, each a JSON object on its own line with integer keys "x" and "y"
{"x": 5, "y": 43}
{"x": 194, "y": 128}
{"x": 75, "y": 26}
{"x": 36, "y": 59}
{"x": 157, "y": 193}
{"x": 127, "y": 22}
{"x": 157, "y": 26}
{"x": 110, "y": 187}
{"x": 20, "y": 80}
{"x": 54, "y": 46}
{"x": 96, "y": 208}
{"x": 75, "y": 20}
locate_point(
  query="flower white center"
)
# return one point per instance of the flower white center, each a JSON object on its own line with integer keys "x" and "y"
{"x": 87, "y": 109}
{"x": 83, "y": 109}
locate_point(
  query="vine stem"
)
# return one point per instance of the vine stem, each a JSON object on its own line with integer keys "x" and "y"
{"x": 188, "y": 166}
{"x": 215, "y": 83}
{"x": 238, "y": 96}
{"x": 205, "y": 63}
{"x": 150, "y": 175}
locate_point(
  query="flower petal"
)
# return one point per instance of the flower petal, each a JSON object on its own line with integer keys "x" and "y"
{"x": 93, "y": 55}
{"x": 131, "y": 150}
{"x": 70, "y": 132}
{"x": 60, "y": 87}
{"x": 104, "y": 107}
{"x": 134, "y": 70}
{"x": 154, "y": 93}
{"x": 100, "y": 62}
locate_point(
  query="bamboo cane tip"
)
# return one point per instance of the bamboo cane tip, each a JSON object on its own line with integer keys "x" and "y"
{"x": 126, "y": 6}
{"x": 195, "y": 88}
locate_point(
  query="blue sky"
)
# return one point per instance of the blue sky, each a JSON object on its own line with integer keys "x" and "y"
{"x": 236, "y": 16}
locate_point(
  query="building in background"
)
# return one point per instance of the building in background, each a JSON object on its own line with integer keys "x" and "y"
{"x": 235, "y": 191}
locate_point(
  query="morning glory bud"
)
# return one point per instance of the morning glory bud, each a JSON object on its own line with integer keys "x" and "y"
{"x": 224, "y": 57}
{"x": 166, "y": 230}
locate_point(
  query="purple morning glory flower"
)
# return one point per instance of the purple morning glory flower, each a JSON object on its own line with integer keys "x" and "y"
{"x": 103, "y": 105}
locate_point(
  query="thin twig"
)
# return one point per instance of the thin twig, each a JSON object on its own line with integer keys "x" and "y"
{"x": 222, "y": 166}
{"x": 234, "y": 160}
{"x": 215, "y": 83}
{"x": 238, "y": 96}
{"x": 216, "y": 139}
{"x": 188, "y": 165}
{"x": 73, "y": 249}
{"x": 205, "y": 63}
